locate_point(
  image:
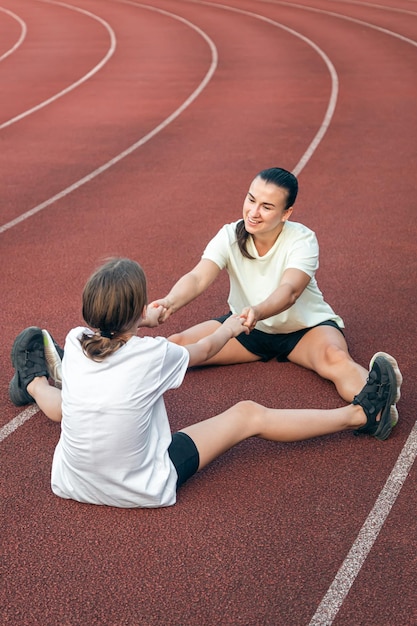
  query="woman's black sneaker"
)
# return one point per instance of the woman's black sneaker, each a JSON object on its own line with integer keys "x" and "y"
{"x": 376, "y": 398}
{"x": 28, "y": 359}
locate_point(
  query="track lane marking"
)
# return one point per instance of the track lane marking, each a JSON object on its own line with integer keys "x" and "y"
{"x": 347, "y": 573}
{"x": 377, "y": 6}
{"x": 17, "y": 421}
{"x": 351, "y": 566}
{"x": 143, "y": 140}
{"x": 347, "y": 18}
{"x": 333, "y": 75}
{"x": 20, "y": 419}
{"x": 23, "y": 32}
{"x": 79, "y": 82}
{"x": 345, "y": 577}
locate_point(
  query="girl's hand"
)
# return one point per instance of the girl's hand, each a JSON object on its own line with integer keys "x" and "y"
{"x": 236, "y": 323}
{"x": 165, "y": 309}
{"x": 153, "y": 314}
{"x": 251, "y": 317}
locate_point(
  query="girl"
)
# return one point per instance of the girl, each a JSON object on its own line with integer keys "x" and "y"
{"x": 116, "y": 446}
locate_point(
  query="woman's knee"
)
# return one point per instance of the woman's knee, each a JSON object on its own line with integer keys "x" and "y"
{"x": 177, "y": 338}
{"x": 335, "y": 354}
{"x": 335, "y": 360}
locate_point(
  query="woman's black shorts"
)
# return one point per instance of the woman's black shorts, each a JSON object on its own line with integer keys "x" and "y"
{"x": 268, "y": 346}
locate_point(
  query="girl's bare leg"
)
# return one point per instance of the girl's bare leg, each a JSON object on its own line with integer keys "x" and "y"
{"x": 247, "y": 419}
{"x": 46, "y": 397}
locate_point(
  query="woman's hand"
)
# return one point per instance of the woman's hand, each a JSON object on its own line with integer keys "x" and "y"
{"x": 236, "y": 323}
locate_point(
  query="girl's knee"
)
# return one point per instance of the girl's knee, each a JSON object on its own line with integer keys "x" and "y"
{"x": 252, "y": 413}
{"x": 249, "y": 406}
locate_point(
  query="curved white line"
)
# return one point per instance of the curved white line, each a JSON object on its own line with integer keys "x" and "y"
{"x": 367, "y": 536}
{"x": 143, "y": 140}
{"x": 378, "y": 6}
{"x": 23, "y": 32}
{"x": 350, "y": 568}
{"x": 333, "y": 74}
{"x": 344, "y": 17}
{"x": 79, "y": 82}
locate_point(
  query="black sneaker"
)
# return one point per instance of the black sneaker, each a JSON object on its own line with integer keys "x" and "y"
{"x": 376, "y": 397}
{"x": 28, "y": 359}
{"x": 53, "y": 357}
{"x": 399, "y": 378}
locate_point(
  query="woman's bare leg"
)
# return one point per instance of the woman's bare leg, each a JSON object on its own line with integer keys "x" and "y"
{"x": 232, "y": 353}
{"x": 247, "y": 419}
{"x": 46, "y": 397}
{"x": 324, "y": 350}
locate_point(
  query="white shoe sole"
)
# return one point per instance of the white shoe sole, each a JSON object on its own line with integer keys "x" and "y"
{"x": 53, "y": 360}
{"x": 399, "y": 379}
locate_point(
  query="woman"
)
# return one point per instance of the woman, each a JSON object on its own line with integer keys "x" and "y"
{"x": 271, "y": 262}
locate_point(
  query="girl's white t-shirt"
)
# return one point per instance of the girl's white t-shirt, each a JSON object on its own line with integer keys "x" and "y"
{"x": 253, "y": 280}
{"x": 115, "y": 433}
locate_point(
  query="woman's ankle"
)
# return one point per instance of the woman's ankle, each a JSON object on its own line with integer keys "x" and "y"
{"x": 358, "y": 417}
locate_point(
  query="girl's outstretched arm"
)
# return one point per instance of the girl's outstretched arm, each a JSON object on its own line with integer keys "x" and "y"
{"x": 208, "y": 346}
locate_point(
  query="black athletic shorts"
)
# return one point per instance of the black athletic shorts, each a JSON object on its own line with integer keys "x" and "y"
{"x": 269, "y": 346}
{"x": 184, "y": 456}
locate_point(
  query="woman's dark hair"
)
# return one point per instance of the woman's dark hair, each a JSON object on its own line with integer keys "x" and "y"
{"x": 276, "y": 176}
{"x": 113, "y": 300}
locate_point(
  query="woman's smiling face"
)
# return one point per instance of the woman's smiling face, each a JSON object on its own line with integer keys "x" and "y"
{"x": 264, "y": 211}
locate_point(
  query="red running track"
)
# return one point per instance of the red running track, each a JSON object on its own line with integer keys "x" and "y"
{"x": 135, "y": 129}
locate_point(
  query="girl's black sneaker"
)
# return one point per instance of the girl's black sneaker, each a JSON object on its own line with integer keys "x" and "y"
{"x": 28, "y": 359}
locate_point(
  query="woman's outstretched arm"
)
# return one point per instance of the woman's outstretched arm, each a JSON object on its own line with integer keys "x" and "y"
{"x": 187, "y": 288}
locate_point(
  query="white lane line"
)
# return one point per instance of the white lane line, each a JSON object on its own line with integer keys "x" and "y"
{"x": 338, "y": 590}
{"x": 19, "y": 420}
{"x": 333, "y": 74}
{"x": 377, "y": 6}
{"x": 347, "y": 18}
{"x": 79, "y": 82}
{"x": 143, "y": 140}
{"x": 23, "y": 31}
{"x": 345, "y": 577}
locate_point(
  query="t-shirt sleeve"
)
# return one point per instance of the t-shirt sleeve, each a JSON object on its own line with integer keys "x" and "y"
{"x": 218, "y": 249}
{"x": 174, "y": 368}
{"x": 303, "y": 253}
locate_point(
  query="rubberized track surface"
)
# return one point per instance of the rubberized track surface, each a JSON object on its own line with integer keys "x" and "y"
{"x": 135, "y": 129}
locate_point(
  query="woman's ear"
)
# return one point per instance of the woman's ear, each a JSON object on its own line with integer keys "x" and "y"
{"x": 287, "y": 213}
